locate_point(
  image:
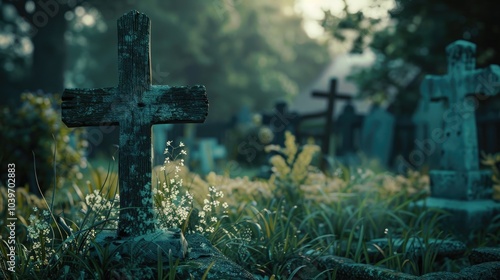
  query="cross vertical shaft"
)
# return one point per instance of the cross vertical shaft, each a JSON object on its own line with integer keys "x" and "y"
{"x": 134, "y": 70}
{"x": 331, "y": 96}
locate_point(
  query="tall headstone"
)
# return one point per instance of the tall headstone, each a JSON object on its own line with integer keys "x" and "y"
{"x": 347, "y": 124}
{"x": 135, "y": 105}
{"x": 459, "y": 186}
{"x": 377, "y": 135}
{"x": 349, "y": 134}
{"x": 459, "y": 176}
{"x": 427, "y": 118}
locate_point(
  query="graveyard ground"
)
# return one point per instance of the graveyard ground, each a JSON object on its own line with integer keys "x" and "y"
{"x": 283, "y": 227}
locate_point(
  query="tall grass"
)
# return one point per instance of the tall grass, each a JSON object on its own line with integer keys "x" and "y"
{"x": 278, "y": 228}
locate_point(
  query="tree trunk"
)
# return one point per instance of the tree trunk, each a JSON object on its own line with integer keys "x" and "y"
{"x": 49, "y": 47}
{"x": 49, "y": 55}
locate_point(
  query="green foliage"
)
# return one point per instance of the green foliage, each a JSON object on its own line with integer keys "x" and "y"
{"x": 291, "y": 168}
{"x": 493, "y": 162}
{"x": 25, "y": 201}
{"x": 34, "y": 137}
{"x": 273, "y": 231}
{"x": 244, "y": 52}
{"x": 412, "y": 44}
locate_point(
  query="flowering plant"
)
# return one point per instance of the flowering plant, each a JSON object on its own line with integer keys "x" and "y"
{"x": 174, "y": 204}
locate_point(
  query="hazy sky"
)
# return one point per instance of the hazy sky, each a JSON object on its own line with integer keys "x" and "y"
{"x": 313, "y": 11}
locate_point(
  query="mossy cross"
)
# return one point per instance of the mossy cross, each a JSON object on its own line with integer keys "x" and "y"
{"x": 135, "y": 105}
{"x": 460, "y": 176}
{"x": 457, "y": 88}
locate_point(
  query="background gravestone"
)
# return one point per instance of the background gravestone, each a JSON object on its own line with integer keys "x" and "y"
{"x": 377, "y": 134}
{"x": 349, "y": 134}
{"x": 161, "y": 136}
{"x": 459, "y": 176}
{"x": 427, "y": 118}
{"x": 459, "y": 186}
{"x": 207, "y": 154}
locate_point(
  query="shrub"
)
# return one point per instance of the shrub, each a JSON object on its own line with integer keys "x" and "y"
{"x": 35, "y": 137}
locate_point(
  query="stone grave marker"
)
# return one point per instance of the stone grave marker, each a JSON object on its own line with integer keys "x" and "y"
{"x": 346, "y": 124}
{"x": 348, "y": 130}
{"x": 377, "y": 133}
{"x": 244, "y": 117}
{"x": 427, "y": 118}
{"x": 459, "y": 176}
{"x": 207, "y": 153}
{"x": 459, "y": 186}
{"x": 135, "y": 105}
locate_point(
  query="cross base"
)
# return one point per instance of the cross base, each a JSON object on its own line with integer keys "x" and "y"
{"x": 464, "y": 217}
{"x": 146, "y": 248}
{"x": 461, "y": 185}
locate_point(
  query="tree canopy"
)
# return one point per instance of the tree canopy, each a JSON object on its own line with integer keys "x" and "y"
{"x": 412, "y": 44}
{"x": 245, "y": 52}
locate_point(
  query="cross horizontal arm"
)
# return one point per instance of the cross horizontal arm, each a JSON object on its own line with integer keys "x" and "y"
{"x": 178, "y": 104}
{"x": 313, "y": 115}
{"x": 88, "y": 107}
{"x": 162, "y": 104}
{"x": 337, "y": 95}
{"x": 485, "y": 81}
{"x": 433, "y": 87}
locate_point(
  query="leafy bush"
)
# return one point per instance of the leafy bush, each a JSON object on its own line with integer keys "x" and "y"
{"x": 35, "y": 137}
{"x": 493, "y": 162}
{"x": 278, "y": 228}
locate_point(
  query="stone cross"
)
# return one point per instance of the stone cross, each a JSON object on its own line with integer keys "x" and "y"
{"x": 135, "y": 105}
{"x": 460, "y": 177}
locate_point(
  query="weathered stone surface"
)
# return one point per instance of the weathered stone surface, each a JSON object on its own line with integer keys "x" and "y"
{"x": 442, "y": 276}
{"x": 482, "y": 255}
{"x": 459, "y": 179}
{"x": 303, "y": 267}
{"x": 333, "y": 261}
{"x": 377, "y": 134}
{"x": 483, "y": 271}
{"x": 461, "y": 185}
{"x": 203, "y": 256}
{"x": 145, "y": 248}
{"x": 459, "y": 176}
{"x": 347, "y": 269}
{"x": 464, "y": 216}
{"x": 139, "y": 256}
{"x": 369, "y": 272}
{"x": 459, "y": 146}
{"x": 417, "y": 247}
